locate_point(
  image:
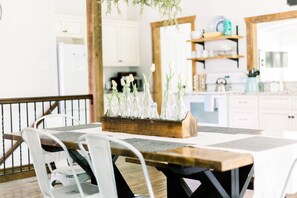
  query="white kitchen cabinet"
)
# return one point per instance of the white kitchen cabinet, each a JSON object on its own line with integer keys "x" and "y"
{"x": 278, "y": 114}
{"x": 70, "y": 26}
{"x": 243, "y": 111}
{"x": 120, "y": 40}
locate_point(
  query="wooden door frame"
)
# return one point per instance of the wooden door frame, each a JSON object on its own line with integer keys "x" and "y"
{"x": 156, "y": 56}
{"x": 251, "y": 33}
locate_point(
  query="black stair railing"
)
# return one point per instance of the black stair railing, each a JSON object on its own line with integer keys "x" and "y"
{"x": 18, "y": 113}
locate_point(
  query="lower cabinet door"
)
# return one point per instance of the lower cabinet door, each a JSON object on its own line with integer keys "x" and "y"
{"x": 274, "y": 123}
{"x": 244, "y": 119}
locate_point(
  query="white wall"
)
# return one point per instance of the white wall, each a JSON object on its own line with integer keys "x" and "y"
{"x": 27, "y": 53}
{"x": 206, "y": 11}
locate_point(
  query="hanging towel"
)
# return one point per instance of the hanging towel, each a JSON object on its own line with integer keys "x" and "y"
{"x": 209, "y": 103}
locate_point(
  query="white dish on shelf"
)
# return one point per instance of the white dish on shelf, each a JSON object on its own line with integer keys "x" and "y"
{"x": 196, "y": 34}
{"x": 217, "y": 24}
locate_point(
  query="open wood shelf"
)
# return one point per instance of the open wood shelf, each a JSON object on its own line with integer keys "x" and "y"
{"x": 217, "y": 57}
{"x": 201, "y": 40}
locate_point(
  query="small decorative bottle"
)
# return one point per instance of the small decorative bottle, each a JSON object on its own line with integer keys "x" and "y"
{"x": 154, "y": 111}
{"x": 168, "y": 103}
{"x": 147, "y": 101}
{"x": 119, "y": 105}
{"x": 181, "y": 108}
{"x": 135, "y": 107}
{"x": 109, "y": 111}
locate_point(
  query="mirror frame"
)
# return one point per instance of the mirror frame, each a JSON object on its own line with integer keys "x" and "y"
{"x": 156, "y": 56}
{"x": 251, "y": 33}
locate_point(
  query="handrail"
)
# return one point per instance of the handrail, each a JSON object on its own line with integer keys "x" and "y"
{"x": 44, "y": 99}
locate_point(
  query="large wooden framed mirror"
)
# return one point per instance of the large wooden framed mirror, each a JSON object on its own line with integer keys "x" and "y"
{"x": 252, "y": 33}
{"x": 156, "y": 29}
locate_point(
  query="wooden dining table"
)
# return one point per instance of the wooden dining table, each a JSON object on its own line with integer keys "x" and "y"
{"x": 221, "y": 173}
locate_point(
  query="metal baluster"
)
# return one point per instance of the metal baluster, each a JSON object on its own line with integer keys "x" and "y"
{"x": 78, "y": 106}
{"x": 43, "y": 123}
{"x": 27, "y": 115}
{"x": 72, "y": 111}
{"x": 20, "y": 128}
{"x": 86, "y": 114}
{"x": 11, "y": 142}
{"x": 3, "y": 141}
{"x": 59, "y": 103}
{"x": 65, "y": 112}
{"x": 35, "y": 117}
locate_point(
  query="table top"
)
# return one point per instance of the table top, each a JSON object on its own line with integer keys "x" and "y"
{"x": 174, "y": 153}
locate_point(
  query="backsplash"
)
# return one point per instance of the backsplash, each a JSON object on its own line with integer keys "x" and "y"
{"x": 290, "y": 87}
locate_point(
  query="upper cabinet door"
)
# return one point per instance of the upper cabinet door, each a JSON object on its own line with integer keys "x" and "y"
{"x": 120, "y": 43}
{"x": 110, "y": 42}
{"x": 70, "y": 26}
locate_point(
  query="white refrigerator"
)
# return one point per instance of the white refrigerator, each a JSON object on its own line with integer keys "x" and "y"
{"x": 73, "y": 79}
{"x": 72, "y": 69}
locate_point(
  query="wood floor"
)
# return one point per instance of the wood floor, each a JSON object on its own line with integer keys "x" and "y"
{"x": 28, "y": 188}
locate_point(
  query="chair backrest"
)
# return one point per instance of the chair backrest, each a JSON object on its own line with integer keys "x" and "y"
{"x": 99, "y": 158}
{"x": 288, "y": 178}
{"x": 32, "y": 138}
{"x": 56, "y": 120}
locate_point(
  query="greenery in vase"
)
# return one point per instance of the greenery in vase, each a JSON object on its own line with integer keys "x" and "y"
{"x": 168, "y": 102}
{"x": 116, "y": 93}
{"x": 147, "y": 80}
{"x": 147, "y": 99}
{"x": 169, "y": 9}
{"x": 181, "y": 91}
{"x": 126, "y": 90}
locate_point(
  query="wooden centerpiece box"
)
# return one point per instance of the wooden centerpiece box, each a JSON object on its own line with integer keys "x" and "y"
{"x": 154, "y": 127}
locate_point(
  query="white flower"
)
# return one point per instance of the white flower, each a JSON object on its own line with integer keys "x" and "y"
{"x": 131, "y": 77}
{"x": 153, "y": 67}
{"x": 171, "y": 65}
{"x": 114, "y": 85}
{"x": 123, "y": 82}
{"x": 128, "y": 80}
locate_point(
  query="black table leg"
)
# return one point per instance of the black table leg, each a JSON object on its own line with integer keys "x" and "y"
{"x": 83, "y": 163}
{"x": 213, "y": 184}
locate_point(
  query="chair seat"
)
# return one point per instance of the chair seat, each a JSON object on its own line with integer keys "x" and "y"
{"x": 65, "y": 175}
{"x": 68, "y": 171}
{"x": 89, "y": 190}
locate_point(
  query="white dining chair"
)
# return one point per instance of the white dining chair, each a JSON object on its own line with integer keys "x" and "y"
{"x": 32, "y": 137}
{"x": 62, "y": 171}
{"x": 99, "y": 157}
{"x": 288, "y": 178}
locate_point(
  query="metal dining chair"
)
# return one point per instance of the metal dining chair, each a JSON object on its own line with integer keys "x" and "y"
{"x": 100, "y": 161}
{"x": 78, "y": 189}
{"x": 288, "y": 178}
{"x": 62, "y": 171}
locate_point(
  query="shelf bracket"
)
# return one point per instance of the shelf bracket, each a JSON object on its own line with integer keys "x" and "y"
{"x": 235, "y": 59}
{"x": 203, "y": 62}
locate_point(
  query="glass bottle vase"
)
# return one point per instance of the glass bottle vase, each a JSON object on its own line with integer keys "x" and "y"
{"x": 135, "y": 107}
{"x": 147, "y": 101}
{"x": 181, "y": 108}
{"x": 125, "y": 106}
{"x": 168, "y": 105}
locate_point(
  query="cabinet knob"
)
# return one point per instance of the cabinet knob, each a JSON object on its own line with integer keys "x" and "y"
{"x": 292, "y": 116}
{"x": 289, "y": 116}
{"x": 120, "y": 61}
{"x": 65, "y": 31}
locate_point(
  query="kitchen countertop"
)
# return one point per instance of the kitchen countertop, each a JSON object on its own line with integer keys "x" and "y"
{"x": 282, "y": 93}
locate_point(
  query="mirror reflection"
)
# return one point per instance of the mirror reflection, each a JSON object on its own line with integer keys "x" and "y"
{"x": 277, "y": 47}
